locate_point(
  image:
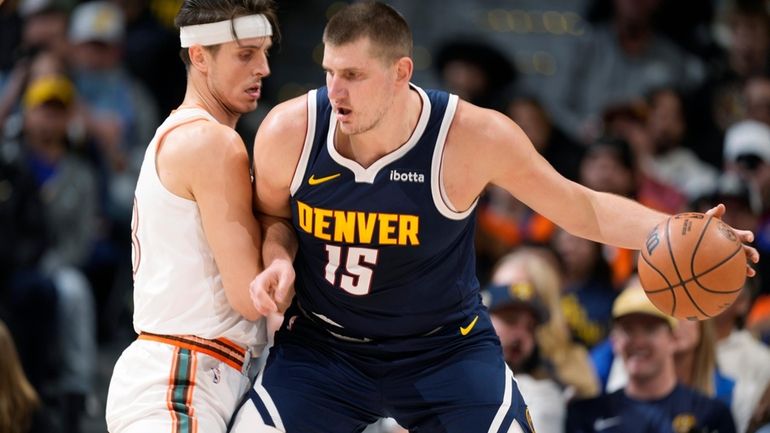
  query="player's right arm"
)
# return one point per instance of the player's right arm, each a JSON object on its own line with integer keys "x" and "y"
{"x": 277, "y": 149}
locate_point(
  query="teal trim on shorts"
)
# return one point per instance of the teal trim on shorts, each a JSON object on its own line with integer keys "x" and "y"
{"x": 182, "y": 386}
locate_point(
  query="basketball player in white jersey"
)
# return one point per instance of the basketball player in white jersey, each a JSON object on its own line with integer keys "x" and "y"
{"x": 195, "y": 239}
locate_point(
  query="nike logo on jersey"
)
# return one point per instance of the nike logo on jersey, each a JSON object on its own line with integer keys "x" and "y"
{"x": 315, "y": 181}
{"x": 605, "y": 423}
{"x": 464, "y": 330}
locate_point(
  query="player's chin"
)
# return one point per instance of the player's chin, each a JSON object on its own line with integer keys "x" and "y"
{"x": 246, "y": 106}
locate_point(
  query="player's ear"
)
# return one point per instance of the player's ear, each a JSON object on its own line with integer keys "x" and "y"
{"x": 198, "y": 58}
{"x": 404, "y": 70}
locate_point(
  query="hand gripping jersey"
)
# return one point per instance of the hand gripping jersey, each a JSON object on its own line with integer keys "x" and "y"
{"x": 382, "y": 253}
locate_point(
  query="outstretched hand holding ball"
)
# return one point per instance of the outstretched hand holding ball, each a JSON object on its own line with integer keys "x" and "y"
{"x": 693, "y": 265}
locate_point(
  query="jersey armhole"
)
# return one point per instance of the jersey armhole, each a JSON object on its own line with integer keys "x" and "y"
{"x": 440, "y": 198}
{"x": 158, "y": 142}
{"x": 299, "y": 171}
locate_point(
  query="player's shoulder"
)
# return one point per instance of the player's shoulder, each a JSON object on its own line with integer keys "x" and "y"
{"x": 289, "y": 117}
{"x": 203, "y": 134}
{"x": 470, "y": 121}
{"x": 202, "y": 144}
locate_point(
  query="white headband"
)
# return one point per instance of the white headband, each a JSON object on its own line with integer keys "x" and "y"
{"x": 249, "y": 26}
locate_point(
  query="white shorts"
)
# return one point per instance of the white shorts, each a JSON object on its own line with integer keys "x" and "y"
{"x": 159, "y": 387}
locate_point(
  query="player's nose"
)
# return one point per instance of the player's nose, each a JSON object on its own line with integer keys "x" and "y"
{"x": 262, "y": 68}
{"x": 335, "y": 88}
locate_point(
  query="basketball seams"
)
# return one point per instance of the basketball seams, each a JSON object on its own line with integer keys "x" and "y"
{"x": 725, "y": 260}
{"x": 673, "y": 262}
{"x": 703, "y": 230}
{"x": 670, "y": 288}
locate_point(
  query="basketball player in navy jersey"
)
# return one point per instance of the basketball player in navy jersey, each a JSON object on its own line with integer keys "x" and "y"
{"x": 372, "y": 182}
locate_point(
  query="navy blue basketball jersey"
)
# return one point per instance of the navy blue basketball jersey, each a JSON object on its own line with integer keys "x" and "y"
{"x": 381, "y": 251}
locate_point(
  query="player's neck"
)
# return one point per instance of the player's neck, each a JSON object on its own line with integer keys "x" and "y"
{"x": 652, "y": 388}
{"x": 393, "y": 131}
{"x": 204, "y": 100}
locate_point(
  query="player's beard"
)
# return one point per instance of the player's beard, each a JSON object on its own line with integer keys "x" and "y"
{"x": 376, "y": 119}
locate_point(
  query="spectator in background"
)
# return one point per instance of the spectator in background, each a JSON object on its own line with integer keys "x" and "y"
{"x": 695, "y": 360}
{"x": 744, "y": 359}
{"x": 587, "y": 293}
{"x": 652, "y": 400}
{"x": 610, "y": 165}
{"x": 517, "y": 311}
{"x": 43, "y": 26}
{"x": 151, "y": 54}
{"x": 28, "y": 298}
{"x": 20, "y": 406}
{"x": 97, "y": 32}
{"x": 719, "y": 101}
{"x": 747, "y": 153}
{"x": 124, "y": 117}
{"x": 663, "y": 154}
{"x": 474, "y": 70}
{"x": 563, "y": 154}
{"x": 616, "y": 62}
{"x": 756, "y": 95}
{"x": 10, "y": 37}
{"x": 69, "y": 195}
{"x": 505, "y": 223}
{"x": 570, "y": 362}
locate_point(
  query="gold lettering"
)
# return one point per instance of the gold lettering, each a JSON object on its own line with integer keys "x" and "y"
{"x": 322, "y": 217}
{"x": 366, "y": 223}
{"x": 344, "y": 226}
{"x": 305, "y": 214}
{"x": 387, "y": 228}
{"x": 408, "y": 228}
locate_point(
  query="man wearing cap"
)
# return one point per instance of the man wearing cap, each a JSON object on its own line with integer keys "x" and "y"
{"x": 67, "y": 185}
{"x": 516, "y": 311}
{"x": 115, "y": 100}
{"x": 747, "y": 152}
{"x": 652, "y": 401}
{"x": 195, "y": 239}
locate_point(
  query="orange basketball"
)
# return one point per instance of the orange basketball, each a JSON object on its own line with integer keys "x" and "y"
{"x": 692, "y": 266}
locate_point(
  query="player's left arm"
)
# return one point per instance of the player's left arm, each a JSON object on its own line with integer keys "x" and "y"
{"x": 497, "y": 151}
{"x": 219, "y": 180}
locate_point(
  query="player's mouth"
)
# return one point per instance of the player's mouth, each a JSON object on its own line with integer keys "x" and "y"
{"x": 254, "y": 92}
{"x": 343, "y": 114}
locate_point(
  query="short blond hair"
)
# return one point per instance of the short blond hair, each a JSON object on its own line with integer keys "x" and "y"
{"x": 387, "y": 30}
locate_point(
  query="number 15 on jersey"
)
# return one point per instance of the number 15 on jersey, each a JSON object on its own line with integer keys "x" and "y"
{"x": 356, "y": 276}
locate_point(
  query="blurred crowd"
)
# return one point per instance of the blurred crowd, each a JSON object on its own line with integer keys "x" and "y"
{"x": 663, "y": 101}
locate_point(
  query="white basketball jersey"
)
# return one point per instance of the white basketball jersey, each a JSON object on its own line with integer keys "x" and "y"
{"x": 177, "y": 285}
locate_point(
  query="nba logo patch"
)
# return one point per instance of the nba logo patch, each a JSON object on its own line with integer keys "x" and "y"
{"x": 216, "y": 374}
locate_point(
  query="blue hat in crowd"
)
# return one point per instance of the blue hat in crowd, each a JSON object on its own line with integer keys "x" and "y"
{"x": 520, "y": 294}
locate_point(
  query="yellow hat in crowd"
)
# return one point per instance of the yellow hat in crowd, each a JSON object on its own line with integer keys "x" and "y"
{"x": 633, "y": 300}
{"x": 47, "y": 89}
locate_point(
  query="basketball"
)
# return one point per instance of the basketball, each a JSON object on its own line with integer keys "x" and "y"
{"x": 692, "y": 266}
